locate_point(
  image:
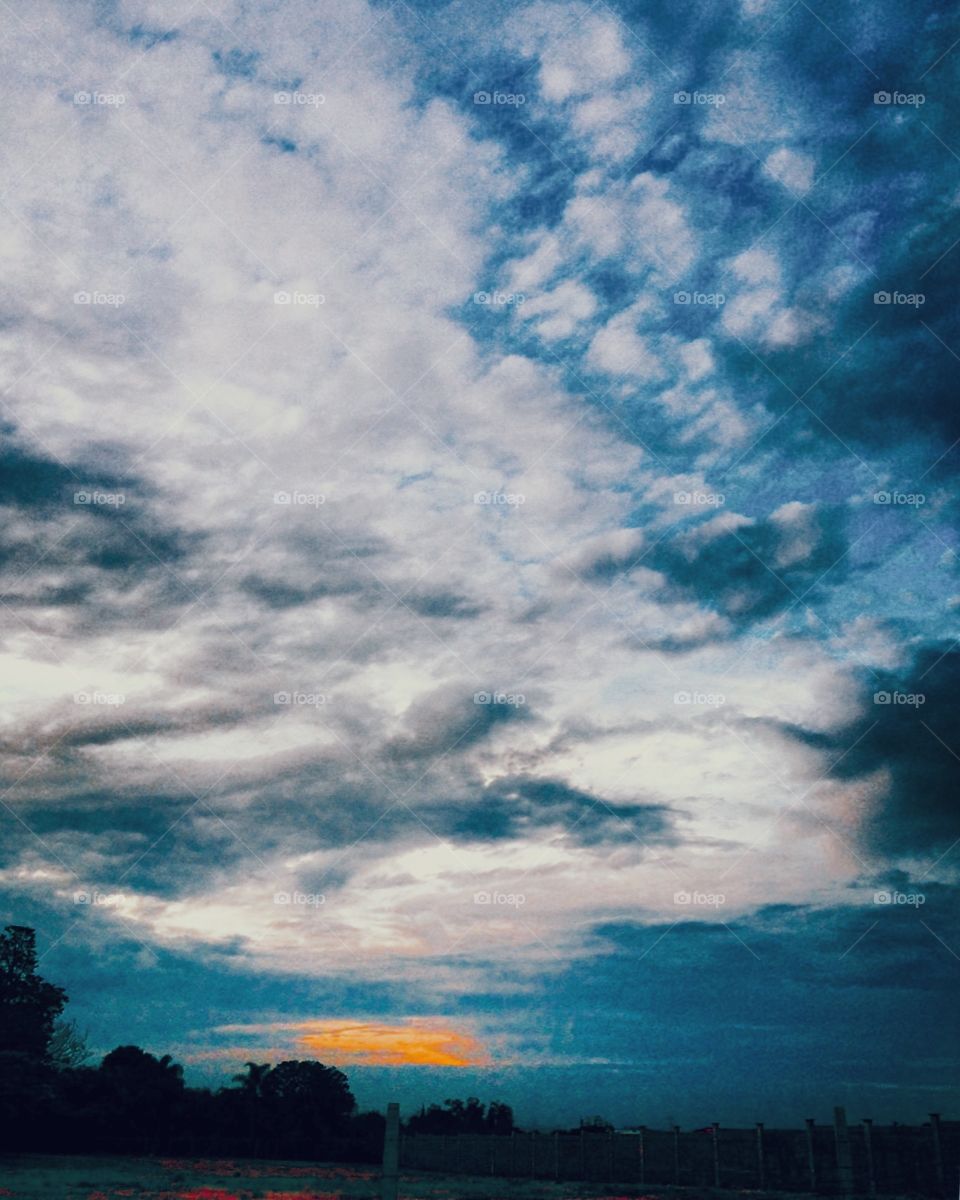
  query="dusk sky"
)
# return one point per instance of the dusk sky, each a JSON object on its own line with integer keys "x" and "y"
{"x": 478, "y": 544}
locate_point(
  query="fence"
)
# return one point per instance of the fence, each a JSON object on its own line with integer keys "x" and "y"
{"x": 864, "y": 1159}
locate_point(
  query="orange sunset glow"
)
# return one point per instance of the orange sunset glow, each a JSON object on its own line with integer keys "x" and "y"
{"x": 417, "y": 1042}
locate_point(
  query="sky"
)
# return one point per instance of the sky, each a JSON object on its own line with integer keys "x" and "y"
{"x": 478, "y": 568}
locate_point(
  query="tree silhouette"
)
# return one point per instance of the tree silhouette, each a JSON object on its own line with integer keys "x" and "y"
{"x": 499, "y": 1118}
{"x": 457, "y": 1116}
{"x": 29, "y": 1005}
{"x": 137, "y": 1102}
{"x": 305, "y": 1103}
{"x": 251, "y": 1082}
{"x": 68, "y": 1046}
{"x": 143, "y": 1090}
{"x": 251, "y": 1088}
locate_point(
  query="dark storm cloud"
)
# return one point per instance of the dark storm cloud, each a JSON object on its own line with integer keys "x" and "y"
{"x": 799, "y": 946}
{"x": 314, "y": 563}
{"x": 910, "y": 736}
{"x": 80, "y": 537}
{"x": 278, "y": 593}
{"x": 750, "y": 571}
{"x": 885, "y": 211}
{"x": 28, "y": 480}
{"x": 904, "y": 749}
{"x": 450, "y": 720}
{"x": 521, "y": 807}
{"x": 788, "y": 1003}
{"x": 892, "y": 389}
{"x": 72, "y": 725}
{"x": 444, "y": 604}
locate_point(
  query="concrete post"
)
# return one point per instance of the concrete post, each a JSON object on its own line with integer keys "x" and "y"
{"x": 761, "y": 1161}
{"x": 391, "y": 1154}
{"x": 556, "y": 1155}
{"x": 676, "y": 1154}
{"x": 844, "y": 1154}
{"x": 609, "y": 1156}
{"x": 937, "y": 1152}
{"x": 868, "y": 1146}
{"x": 811, "y": 1154}
{"x": 643, "y": 1155}
{"x": 715, "y": 1140}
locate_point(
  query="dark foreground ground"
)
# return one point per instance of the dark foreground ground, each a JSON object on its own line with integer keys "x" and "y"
{"x": 51, "y": 1177}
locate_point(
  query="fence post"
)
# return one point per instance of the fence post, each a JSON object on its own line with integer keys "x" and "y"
{"x": 844, "y": 1156}
{"x": 556, "y": 1154}
{"x": 811, "y": 1154}
{"x": 583, "y": 1169}
{"x": 715, "y": 1140}
{"x": 391, "y": 1154}
{"x": 937, "y": 1151}
{"x": 643, "y": 1155}
{"x": 761, "y": 1162}
{"x": 609, "y": 1162}
{"x": 868, "y": 1146}
{"x": 676, "y": 1154}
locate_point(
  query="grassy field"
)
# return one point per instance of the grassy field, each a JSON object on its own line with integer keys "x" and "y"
{"x": 67, "y": 1178}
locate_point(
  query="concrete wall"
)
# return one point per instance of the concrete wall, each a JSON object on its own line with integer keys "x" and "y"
{"x": 861, "y": 1159}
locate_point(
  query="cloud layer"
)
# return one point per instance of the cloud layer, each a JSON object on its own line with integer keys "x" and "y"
{"x": 467, "y": 486}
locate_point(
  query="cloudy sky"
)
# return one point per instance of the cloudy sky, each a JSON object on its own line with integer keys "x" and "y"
{"x": 479, "y": 582}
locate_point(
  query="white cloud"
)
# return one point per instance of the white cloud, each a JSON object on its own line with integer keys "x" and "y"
{"x": 791, "y": 168}
{"x": 203, "y": 397}
{"x": 618, "y": 349}
{"x": 558, "y": 313}
{"x": 579, "y": 49}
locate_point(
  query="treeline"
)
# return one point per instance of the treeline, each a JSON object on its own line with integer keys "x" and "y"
{"x": 458, "y": 1116}
{"x": 52, "y": 1100}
